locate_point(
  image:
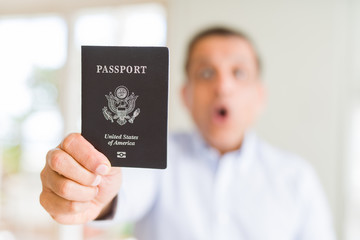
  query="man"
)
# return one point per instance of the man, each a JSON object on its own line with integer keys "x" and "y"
{"x": 222, "y": 182}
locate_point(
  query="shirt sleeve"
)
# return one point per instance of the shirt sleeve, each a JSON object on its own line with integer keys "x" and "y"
{"x": 315, "y": 218}
{"x": 137, "y": 195}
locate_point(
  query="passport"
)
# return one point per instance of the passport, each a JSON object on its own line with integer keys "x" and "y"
{"x": 124, "y": 111}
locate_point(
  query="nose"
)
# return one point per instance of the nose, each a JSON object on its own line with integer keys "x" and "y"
{"x": 224, "y": 84}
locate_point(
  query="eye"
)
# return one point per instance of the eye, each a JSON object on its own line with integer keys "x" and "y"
{"x": 240, "y": 74}
{"x": 206, "y": 73}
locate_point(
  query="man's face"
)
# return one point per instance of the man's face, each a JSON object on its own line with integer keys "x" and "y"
{"x": 223, "y": 92}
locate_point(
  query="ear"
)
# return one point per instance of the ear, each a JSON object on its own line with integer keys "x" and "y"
{"x": 186, "y": 94}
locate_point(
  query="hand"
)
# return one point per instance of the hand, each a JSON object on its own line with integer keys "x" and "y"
{"x": 78, "y": 181}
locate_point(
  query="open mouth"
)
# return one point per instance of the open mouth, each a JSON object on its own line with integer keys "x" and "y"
{"x": 221, "y": 114}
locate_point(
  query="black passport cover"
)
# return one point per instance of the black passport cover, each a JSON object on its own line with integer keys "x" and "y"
{"x": 125, "y": 103}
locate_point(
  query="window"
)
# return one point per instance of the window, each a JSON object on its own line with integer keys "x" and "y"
{"x": 40, "y": 98}
{"x": 32, "y": 53}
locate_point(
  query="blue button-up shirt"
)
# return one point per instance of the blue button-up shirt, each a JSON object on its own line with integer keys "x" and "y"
{"x": 255, "y": 193}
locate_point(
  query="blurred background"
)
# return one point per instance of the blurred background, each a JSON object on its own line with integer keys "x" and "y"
{"x": 311, "y": 55}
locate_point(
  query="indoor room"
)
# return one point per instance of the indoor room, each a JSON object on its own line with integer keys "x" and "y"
{"x": 310, "y": 67}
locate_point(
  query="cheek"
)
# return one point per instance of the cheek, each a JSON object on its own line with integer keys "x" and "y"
{"x": 199, "y": 110}
{"x": 201, "y": 98}
{"x": 246, "y": 105}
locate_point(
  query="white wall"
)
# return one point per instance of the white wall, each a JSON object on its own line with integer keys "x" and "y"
{"x": 303, "y": 46}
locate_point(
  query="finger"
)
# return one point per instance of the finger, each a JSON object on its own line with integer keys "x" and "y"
{"x": 67, "y": 188}
{"x": 85, "y": 153}
{"x": 56, "y": 205}
{"x": 65, "y": 165}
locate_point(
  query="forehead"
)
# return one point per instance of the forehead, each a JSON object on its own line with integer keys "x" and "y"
{"x": 222, "y": 48}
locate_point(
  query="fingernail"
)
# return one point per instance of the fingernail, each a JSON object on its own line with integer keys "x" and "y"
{"x": 96, "y": 181}
{"x": 102, "y": 169}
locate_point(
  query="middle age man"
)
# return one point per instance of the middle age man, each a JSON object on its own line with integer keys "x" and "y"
{"x": 222, "y": 182}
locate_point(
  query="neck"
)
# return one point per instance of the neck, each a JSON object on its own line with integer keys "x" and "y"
{"x": 224, "y": 147}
